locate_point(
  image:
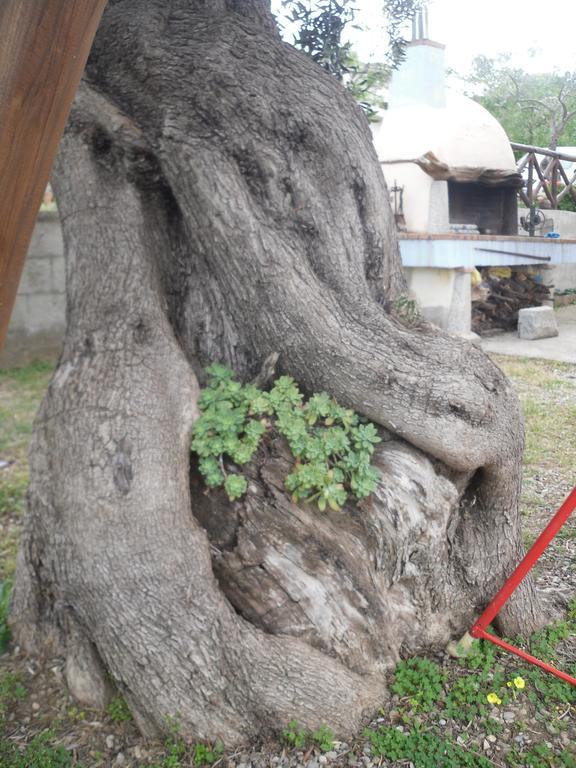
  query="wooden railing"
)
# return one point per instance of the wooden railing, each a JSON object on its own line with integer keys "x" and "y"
{"x": 545, "y": 175}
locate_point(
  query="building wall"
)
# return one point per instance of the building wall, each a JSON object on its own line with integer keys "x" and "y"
{"x": 561, "y": 276}
{"x": 564, "y": 222}
{"x": 37, "y": 323}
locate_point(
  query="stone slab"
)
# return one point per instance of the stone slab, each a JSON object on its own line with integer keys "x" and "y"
{"x": 537, "y": 323}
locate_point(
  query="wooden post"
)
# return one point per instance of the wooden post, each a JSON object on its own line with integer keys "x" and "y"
{"x": 44, "y": 48}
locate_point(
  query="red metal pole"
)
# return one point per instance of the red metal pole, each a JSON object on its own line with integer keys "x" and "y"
{"x": 481, "y": 633}
{"x": 529, "y": 561}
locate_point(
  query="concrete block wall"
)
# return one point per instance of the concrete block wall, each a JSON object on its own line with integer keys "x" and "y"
{"x": 38, "y": 320}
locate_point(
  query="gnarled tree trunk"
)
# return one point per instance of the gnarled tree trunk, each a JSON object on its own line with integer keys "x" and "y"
{"x": 221, "y": 200}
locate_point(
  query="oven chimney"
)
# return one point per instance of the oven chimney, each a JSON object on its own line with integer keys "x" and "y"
{"x": 420, "y": 79}
{"x": 420, "y": 25}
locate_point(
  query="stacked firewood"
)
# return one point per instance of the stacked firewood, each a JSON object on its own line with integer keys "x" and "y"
{"x": 500, "y": 293}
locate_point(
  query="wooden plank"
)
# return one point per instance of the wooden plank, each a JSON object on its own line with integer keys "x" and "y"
{"x": 543, "y": 183}
{"x": 45, "y": 45}
{"x": 569, "y": 188}
{"x": 542, "y": 151}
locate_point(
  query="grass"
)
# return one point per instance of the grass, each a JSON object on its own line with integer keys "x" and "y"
{"x": 441, "y": 716}
{"x": 547, "y": 390}
{"x": 21, "y": 390}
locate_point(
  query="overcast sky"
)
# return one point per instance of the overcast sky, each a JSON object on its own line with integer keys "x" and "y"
{"x": 472, "y": 27}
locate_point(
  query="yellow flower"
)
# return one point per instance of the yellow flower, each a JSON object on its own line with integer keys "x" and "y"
{"x": 493, "y": 698}
{"x": 519, "y": 682}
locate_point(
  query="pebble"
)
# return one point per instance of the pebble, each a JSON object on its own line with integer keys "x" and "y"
{"x": 35, "y": 705}
{"x": 491, "y": 738}
{"x": 322, "y": 759}
{"x": 120, "y": 759}
{"x": 110, "y": 741}
{"x": 508, "y": 716}
{"x": 331, "y": 755}
{"x": 442, "y": 721}
{"x": 486, "y": 745}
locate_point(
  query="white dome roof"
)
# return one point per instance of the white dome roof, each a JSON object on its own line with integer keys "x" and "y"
{"x": 462, "y": 133}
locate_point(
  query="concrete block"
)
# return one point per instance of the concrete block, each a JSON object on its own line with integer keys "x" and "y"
{"x": 58, "y": 274}
{"x": 439, "y": 216}
{"x": 46, "y": 312}
{"x": 46, "y": 238}
{"x": 19, "y": 317}
{"x": 37, "y": 277}
{"x": 459, "y": 318}
{"x": 537, "y": 323}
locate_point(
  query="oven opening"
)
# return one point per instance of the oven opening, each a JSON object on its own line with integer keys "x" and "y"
{"x": 493, "y": 210}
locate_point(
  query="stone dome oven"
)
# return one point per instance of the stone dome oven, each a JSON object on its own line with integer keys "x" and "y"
{"x": 448, "y": 155}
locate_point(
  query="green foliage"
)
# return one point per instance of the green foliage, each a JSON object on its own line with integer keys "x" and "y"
{"x": 543, "y": 644}
{"x": 568, "y": 202}
{"x": 74, "y": 713}
{"x": 178, "y": 756}
{"x": 12, "y": 493}
{"x": 294, "y": 736}
{"x": 323, "y": 738}
{"x": 298, "y": 738}
{"x": 421, "y": 680}
{"x": 366, "y": 83}
{"x": 544, "y": 689}
{"x": 423, "y": 749}
{"x": 481, "y": 657}
{"x": 206, "y": 754}
{"x": 467, "y": 698}
{"x": 11, "y": 690}
{"x": 118, "y": 711}
{"x": 406, "y": 309}
{"x": 398, "y": 12}
{"x": 332, "y": 445}
{"x": 319, "y": 25}
{"x": 533, "y": 108}
{"x": 5, "y": 592}
{"x": 175, "y": 752}
{"x": 39, "y": 753}
{"x": 540, "y": 756}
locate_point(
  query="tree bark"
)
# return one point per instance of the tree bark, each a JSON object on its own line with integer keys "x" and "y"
{"x": 221, "y": 200}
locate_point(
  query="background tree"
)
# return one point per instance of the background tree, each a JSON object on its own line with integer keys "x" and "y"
{"x": 535, "y": 109}
{"x": 317, "y": 27}
{"x": 221, "y": 200}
